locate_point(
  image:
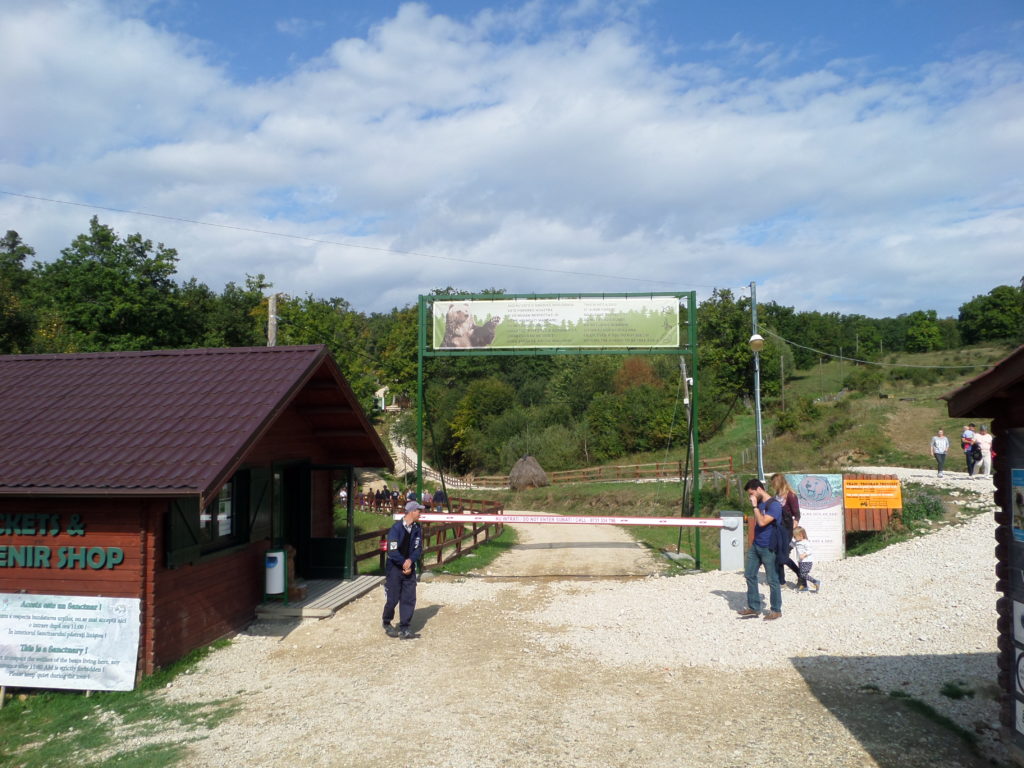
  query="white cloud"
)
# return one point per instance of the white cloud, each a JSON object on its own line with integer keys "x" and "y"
{"x": 569, "y": 148}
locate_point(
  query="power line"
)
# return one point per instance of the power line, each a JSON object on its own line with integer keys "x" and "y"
{"x": 867, "y": 362}
{"x": 321, "y": 241}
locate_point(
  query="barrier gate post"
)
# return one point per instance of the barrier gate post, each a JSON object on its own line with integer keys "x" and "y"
{"x": 731, "y": 540}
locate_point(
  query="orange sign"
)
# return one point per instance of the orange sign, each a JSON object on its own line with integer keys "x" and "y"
{"x": 877, "y": 493}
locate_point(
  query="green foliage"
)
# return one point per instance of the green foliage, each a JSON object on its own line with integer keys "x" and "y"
{"x": 108, "y": 292}
{"x": 923, "y": 333}
{"x": 956, "y": 689}
{"x": 919, "y": 505}
{"x": 998, "y": 315}
{"x": 866, "y": 379}
{"x": 66, "y": 728}
{"x": 483, "y": 555}
{"x": 802, "y": 414}
{"x": 105, "y": 293}
{"x": 17, "y": 320}
{"x": 970, "y": 738}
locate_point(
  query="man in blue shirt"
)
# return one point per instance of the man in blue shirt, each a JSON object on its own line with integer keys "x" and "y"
{"x": 767, "y": 513}
{"x": 404, "y": 549}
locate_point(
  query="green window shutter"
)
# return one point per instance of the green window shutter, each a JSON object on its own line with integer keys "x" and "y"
{"x": 183, "y": 543}
{"x": 240, "y": 485}
{"x": 259, "y": 503}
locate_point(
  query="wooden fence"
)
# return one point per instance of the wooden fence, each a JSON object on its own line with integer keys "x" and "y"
{"x": 442, "y": 542}
{"x": 658, "y": 470}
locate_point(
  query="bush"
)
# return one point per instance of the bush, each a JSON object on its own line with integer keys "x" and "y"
{"x": 865, "y": 379}
{"x": 920, "y": 505}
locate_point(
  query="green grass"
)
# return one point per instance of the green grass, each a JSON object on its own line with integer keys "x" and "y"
{"x": 921, "y": 507}
{"x": 485, "y": 554}
{"x": 67, "y": 728}
{"x": 926, "y": 710}
{"x": 957, "y": 689}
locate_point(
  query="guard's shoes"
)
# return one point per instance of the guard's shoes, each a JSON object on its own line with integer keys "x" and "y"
{"x": 407, "y": 634}
{"x": 772, "y": 615}
{"x": 745, "y": 612}
{"x": 391, "y": 631}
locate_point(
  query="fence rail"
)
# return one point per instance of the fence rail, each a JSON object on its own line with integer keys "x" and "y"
{"x": 442, "y": 542}
{"x": 663, "y": 470}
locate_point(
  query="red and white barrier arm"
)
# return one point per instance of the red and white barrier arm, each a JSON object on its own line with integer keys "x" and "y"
{"x": 697, "y": 522}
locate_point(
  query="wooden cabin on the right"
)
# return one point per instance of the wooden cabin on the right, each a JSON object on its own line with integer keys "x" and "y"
{"x": 997, "y": 395}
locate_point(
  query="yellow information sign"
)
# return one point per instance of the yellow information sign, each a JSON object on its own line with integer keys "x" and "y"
{"x": 877, "y": 493}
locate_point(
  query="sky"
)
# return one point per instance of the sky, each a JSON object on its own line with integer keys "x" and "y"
{"x": 859, "y": 158}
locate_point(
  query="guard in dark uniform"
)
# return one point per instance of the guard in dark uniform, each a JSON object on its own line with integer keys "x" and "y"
{"x": 405, "y": 548}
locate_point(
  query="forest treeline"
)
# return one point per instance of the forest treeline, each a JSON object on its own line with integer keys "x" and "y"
{"x": 106, "y": 292}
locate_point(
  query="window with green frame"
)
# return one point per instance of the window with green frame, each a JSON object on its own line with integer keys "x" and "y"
{"x": 240, "y": 512}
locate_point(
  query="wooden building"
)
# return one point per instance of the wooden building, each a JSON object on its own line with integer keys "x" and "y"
{"x": 166, "y": 476}
{"x": 998, "y": 395}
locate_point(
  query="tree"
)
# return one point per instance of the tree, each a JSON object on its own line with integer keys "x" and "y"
{"x": 105, "y": 293}
{"x": 17, "y": 320}
{"x": 239, "y": 316}
{"x": 923, "y": 332}
{"x": 996, "y": 316}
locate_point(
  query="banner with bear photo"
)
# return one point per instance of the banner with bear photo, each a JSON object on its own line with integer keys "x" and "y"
{"x": 633, "y": 322}
{"x": 821, "y": 513}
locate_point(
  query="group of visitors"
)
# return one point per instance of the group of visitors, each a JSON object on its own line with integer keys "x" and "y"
{"x": 776, "y": 533}
{"x": 392, "y": 500}
{"x": 976, "y": 444}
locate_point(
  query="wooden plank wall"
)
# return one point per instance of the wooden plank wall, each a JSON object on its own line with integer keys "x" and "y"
{"x": 196, "y": 604}
{"x": 107, "y": 523}
{"x": 868, "y": 519}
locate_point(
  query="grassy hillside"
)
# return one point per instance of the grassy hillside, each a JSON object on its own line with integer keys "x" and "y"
{"x": 891, "y": 426}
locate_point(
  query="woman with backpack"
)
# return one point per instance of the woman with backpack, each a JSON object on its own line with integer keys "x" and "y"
{"x": 790, "y": 517}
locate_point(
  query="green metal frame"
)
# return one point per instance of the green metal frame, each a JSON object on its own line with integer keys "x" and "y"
{"x": 689, "y": 350}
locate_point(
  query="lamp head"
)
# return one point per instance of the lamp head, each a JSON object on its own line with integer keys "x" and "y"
{"x": 756, "y": 342}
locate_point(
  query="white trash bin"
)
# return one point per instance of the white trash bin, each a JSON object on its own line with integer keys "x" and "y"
{"x": 276, "y": 565}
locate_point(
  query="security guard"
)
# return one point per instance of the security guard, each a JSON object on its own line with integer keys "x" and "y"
{"x": 405, "y": 548}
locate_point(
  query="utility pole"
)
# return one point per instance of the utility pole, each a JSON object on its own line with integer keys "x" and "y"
{"x": 272, "y": 320}
{"x": 756, "y": 345}
{"x": 782, "y": 380}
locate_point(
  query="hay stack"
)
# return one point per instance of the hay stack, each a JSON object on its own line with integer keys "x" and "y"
{"x": 527, "y": 473}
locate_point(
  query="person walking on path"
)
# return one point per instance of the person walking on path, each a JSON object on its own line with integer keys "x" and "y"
{"x": 967, "y": 444}
{"x": 790, "y": 517}
{"x": 938, "y": 449}
{"x": 806, "y": 557}
{"x": 767, "y": 513}
{"x": 983, "y": 439}
{"x": 404, "y": 549}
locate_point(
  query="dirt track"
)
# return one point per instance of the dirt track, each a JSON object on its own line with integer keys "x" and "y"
{"x": 493, "y": 680}
{"x": 574, "y": 550}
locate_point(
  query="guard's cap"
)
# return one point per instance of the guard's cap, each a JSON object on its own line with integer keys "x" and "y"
{"x": 410, "y": 506}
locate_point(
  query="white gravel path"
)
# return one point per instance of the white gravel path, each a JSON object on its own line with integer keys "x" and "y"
{"x": 590, "y": 673}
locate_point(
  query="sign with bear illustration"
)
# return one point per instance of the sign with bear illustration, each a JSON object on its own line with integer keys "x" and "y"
{"x": 611, "y": 323}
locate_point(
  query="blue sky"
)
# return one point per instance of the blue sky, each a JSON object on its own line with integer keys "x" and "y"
{"x": 852, "y": 157}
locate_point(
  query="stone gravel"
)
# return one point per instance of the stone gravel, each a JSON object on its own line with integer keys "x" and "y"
{"x": 560, "y": 672}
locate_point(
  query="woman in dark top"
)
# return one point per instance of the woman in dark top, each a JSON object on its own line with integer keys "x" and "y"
{"x": 790, "y": 517}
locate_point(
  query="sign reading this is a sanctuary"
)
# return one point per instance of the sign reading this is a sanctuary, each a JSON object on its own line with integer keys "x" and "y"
{"x": 61, "y": 641}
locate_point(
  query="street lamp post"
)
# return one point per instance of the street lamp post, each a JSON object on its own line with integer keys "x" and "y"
{"x": 756, "y": 344}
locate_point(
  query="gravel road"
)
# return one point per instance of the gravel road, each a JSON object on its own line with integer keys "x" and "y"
{"x": 532, "y": 666}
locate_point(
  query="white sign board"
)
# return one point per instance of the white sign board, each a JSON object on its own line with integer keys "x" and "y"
{"x": 60, "y": 641}
{"x": 821, "y": 514}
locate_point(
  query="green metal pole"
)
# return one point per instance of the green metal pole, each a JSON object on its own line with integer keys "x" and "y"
{"x": 691, "y": 303}
{"x": 421, "y": 346}
{"x": 350, "y": 521}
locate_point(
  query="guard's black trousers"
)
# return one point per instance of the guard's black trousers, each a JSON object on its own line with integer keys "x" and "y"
{"x": 399, "y": 590}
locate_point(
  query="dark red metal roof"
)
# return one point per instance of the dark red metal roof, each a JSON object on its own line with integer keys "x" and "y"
{"x": 167, "y": 422}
